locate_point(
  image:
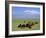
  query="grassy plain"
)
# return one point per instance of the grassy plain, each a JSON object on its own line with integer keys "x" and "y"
{"x": 16, "y": 22}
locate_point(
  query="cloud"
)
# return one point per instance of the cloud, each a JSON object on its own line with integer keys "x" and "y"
{"x": 31, "y": 12}
{"x": 27, "y": 11}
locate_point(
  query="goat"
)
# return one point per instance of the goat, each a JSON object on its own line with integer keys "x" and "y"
{"x": 28, "y": 25}
{"x": 19, "y": 25}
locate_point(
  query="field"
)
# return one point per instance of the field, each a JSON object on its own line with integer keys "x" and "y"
{"x": 16, "y": 22}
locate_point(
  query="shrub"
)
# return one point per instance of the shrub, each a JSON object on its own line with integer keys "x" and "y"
{"x": 36, "y": 22}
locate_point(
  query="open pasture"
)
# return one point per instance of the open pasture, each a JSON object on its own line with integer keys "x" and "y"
{"x": 16, "y": 22}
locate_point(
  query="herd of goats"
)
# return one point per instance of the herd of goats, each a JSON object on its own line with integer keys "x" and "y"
{"x": 29, "y": 25}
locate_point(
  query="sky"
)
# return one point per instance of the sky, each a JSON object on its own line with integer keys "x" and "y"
{"x": 25, "y": 12}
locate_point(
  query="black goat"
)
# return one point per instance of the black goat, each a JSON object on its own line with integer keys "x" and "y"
{"x": 19, "y": 25}
{"x": 28, "y": 25}
{"x": 23, "y": 25}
